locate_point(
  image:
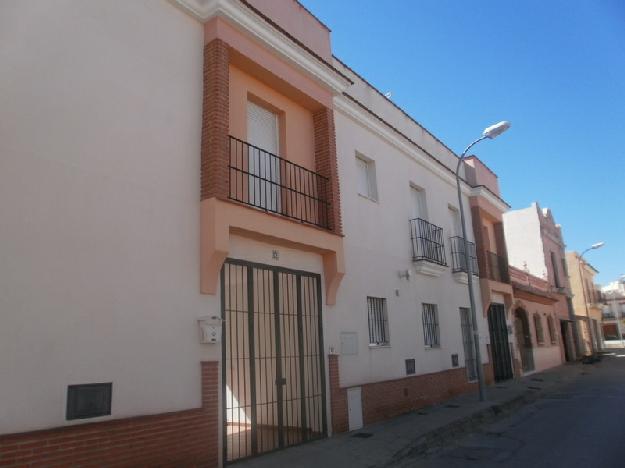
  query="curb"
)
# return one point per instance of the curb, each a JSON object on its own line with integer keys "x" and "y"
{"x": 435, "y": 439}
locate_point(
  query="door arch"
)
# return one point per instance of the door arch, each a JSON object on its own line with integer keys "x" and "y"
{"x": 524, "y": 339}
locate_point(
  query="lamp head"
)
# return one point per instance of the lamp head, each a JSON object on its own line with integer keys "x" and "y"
{"x": 495, "y": 130}
{"x": 598, "y": 245}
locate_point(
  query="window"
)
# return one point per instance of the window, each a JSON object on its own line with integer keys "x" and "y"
{"x": 366, "y": 177}
{"x": 410, "y": 366}
{"x": 564, "y": 268}
{"x": 378, "y": 321}
{"x": 418, "y": 202}
{"x": 456, "y": 227}
{"x": 552, "y": 330}
{"x": 264, "y": 166}
{"x": 88, "y": 400}
{"x": 431, "y": 335}
{"x": 556, "y": 274}
{"x": 538, "y": 324}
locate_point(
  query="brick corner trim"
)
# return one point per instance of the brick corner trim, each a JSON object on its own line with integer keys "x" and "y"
{"x": 326, "y": 162}
{"x": 215, "y": 121}
{"x": 176, "y": 439}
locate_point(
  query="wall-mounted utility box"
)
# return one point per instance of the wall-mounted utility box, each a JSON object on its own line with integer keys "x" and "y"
{"x": 210, "y": 329}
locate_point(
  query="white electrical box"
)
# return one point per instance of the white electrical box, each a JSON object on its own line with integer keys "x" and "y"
{"x": 210, "y": 329}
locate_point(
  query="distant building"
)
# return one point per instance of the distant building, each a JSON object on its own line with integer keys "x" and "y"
{"x": 536, "y": 250}
{"x": 587, "y": 302}
{"x": 613, "y": 314}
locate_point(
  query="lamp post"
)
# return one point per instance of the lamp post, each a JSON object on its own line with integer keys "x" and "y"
{"x": 595, "y": 246}
{"x": 491, "y": 132}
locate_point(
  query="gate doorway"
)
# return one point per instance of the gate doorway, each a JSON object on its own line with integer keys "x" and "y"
{"x": 272, "y": 353}
{"x": 524, "y": 340}
{"x": 567, "y": 341}
{"x": 500, "y": 348}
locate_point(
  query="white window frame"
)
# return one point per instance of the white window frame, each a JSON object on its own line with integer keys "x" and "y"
{"x": 421, "y": 201}
{"x": 372, "y": 188}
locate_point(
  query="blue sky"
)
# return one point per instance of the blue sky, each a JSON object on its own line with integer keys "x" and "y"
{"x": 555, "y": 69}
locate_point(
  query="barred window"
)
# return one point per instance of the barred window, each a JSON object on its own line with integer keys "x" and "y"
{"x": 552, "y": 330}
{"x": 378, "y": 321}
{"x": 431, "y": 335}
{"x": 538, "y": 324}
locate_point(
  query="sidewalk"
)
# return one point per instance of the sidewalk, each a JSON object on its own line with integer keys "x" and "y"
{"x": 386, "y": 443}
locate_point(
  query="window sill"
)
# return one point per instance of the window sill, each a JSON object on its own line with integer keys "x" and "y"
{"x": 376, "y": 346}
{"x": 367, "y": 197}
{"x": 432, "y": 348}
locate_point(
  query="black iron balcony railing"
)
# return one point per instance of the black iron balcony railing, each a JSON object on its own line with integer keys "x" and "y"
{"x": 271, "y": 183}
{"x": 608, "y": 316}
{"x": 496, "y": 268}
{"x": 458, "y": 260}
{"x": 427, "y": 242}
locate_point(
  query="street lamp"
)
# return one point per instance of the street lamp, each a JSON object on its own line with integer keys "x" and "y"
{"x": 592, "y": 332}
{"x": 491, "y": 132}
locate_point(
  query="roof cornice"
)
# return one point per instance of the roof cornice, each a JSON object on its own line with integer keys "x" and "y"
{"x": 351, "y": 108}
{"x": 270, "y": 35}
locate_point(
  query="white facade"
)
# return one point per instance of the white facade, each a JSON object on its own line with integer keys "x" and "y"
{"x": 524, "y": 242}
{"x": 378, "y": 246}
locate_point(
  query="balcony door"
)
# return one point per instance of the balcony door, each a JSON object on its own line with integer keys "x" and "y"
{"x": 419, "y": 207}
{"x": 263, "y": 162}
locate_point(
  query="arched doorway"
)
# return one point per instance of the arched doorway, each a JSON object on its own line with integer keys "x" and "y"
{"x": 524, "y": 339}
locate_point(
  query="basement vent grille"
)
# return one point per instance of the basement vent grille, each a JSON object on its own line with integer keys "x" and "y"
{"x": 88, "y": 400}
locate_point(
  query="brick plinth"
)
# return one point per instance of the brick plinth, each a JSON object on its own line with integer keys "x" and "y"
{"x": 338, "y": 396}
{"x": 181, "y": 438}
{"x": 383, "y": 400}
{"x": 327, "y": 165}
{"x": 215, "y": 121}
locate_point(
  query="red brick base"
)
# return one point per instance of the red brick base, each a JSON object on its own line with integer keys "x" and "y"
{"x": 182, "y": 438}
{"x": 383, "y": 400}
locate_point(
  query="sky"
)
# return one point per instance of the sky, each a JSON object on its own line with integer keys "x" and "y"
{"x": 555, "y": 69}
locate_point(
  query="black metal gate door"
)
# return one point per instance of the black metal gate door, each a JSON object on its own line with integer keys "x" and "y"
{"x": 273, "y": 370}
{"x": 500, "y": 347}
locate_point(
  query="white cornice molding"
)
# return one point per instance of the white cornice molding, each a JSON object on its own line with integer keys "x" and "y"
{"x": 246, "y": 19}
{"x": 482, "y": 191}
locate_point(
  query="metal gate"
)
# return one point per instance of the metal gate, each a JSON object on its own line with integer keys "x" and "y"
{"x": 500, "y": 347}
{"x": 273, "y": 370}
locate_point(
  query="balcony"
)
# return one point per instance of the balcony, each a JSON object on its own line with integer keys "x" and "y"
{"x": 496, "y": 268}
{"x": 428, "y": 247}
{"x": 458, "y": 260}
{"x": 273, "y": 184}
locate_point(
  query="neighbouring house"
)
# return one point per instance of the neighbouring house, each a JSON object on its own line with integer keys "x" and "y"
{"x": 536, "y": 250}
{"x": 492, "y": 256}
{"x": 587, "y": 303}
{"x": 613, "y": 314}
{"x": 535, "y": 322}
{"x": 219, "y": 240}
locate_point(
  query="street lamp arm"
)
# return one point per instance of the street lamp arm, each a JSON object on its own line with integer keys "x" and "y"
{"x": 464, "y": 153}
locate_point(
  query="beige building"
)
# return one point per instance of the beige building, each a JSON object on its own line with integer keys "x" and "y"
{"x": 586, "y": 302}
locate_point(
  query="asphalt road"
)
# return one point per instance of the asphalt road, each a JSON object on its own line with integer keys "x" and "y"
{"x": 582, "y": 425}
